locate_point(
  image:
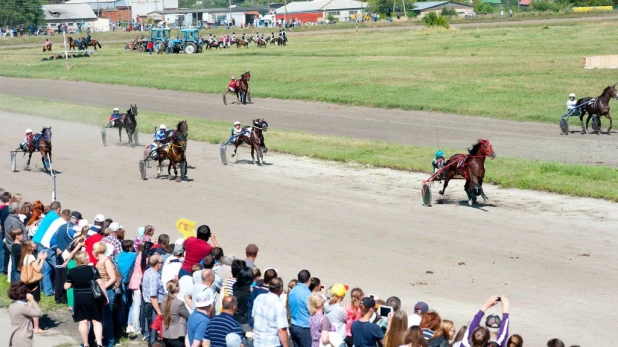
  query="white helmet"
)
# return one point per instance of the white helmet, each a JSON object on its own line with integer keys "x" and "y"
{"x": 116, "y": 109}
{"x": 162, "y": 127}
{"x": 28, "y": 131}
{"x": 572, "y": 95}
{"x": 233, "y": 77}
{"x": 236, "y": 123}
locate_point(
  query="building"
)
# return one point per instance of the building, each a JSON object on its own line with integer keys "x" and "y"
{"x": 240, "y": 15}
{"x": 423, "y": 8}
{"x": 70, "y": 14}
{"x": 127, "y": 10}
{"x": 525, "y": 3}
{"x": 493, "y": 2}
{"x": 319, "y": 10}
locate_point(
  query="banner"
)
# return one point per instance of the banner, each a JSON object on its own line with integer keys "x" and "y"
{"x": 185, "y": 227}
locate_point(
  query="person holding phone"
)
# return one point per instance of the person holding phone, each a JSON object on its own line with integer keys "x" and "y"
{"x": 364, "y": 332}
{"x": 479, "y": 336}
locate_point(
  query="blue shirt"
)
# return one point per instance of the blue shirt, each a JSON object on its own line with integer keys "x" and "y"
{"x": 63, "y": 236}
{"x": 299, "y": 309}
{"x": 197, "y": 327}
{"x": 365, "y": 334}
{"x": 44, "y": 225}
{"x": 126, "y": 261}
{"x": 220, "y": 326}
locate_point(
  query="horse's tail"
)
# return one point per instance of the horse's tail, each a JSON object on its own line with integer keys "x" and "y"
{"x": 98, "y": 44}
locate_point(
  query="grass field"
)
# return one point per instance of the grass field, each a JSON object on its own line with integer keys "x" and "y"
{"x": 577, "y": 180}
{"x": 518, "y": 73}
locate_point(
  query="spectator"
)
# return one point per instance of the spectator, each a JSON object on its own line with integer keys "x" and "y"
{"x": 15, "y": 198}
{"x": 315, "y": 286}
{"x": 196, "y": 248}
{"x": 242, "y": 292}
{"x": 419, "y": 310}
{"x": 224, "y": 324}
{"x": 251, "y": 252}
{"x": 299, "y": 310}
{"x": 61, "y": 240}
{"x": 17, "y": 235}
{"x": 126, "y": 264}
{"x": 334, "y": 310}
{"x": 260, "y": 288}
{"x": 197, "y": 324}
{"x": 553, "y": 342}
{"x": 459, "y": 336}
{"x": 365, "y": 333}
{"x": 186, "y": 284}
{"x": 152, "y": 292}
{"x": 69, "y": 261}
{"x": 5, "y": 198}
{"x": 395, "y": 303}
{"x": 99, "y": 220}
{"x": 270, "y": 317}
{"x": 353, "y": 312}
{"x": 449, "y": 328}
{"x": 209, "y": 263}
{"x": 515, "y": 341}
{"x": 25, "y": 211}
{"x": 172, "y": 265}
{"x": 107, "y": 271}
{"x": 257, "y": 274}
{"x": 22, "y": 312}
{"x": 90, "y": 241}
{"x": 415, "y": 338}
{"x": 27, "y": 258}
{"x": 217, "y": 253}
{"x": 319, "y": 325}
{"x": 35, "y": 218}
{"x": 477, "y": 336}
{"x": 110, "y": 237}
{"x": 441, "y": 336}
{"x": 397, "y": 328}
{"x": 228, "y": 284}
{"x": 11, "y": 222}
{"x": 160, "y": 247}
{"x": 135, "y": 285}
{"x": 87, "y": 308}
{"x": 175, "y": 315}
{"x": 430, "y": 323}
{"x": 48, "y": 226}
{"x": 208, "y": 277}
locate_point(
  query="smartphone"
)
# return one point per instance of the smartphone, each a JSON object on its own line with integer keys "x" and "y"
{"x": 498, "y": 299}
{"x": 371, "y": 296}
{"x": 385, "y": 311}
{"x": 322, "y": 288}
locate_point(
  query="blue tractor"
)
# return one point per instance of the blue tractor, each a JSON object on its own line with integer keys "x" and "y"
{"x": 188, "y": 41}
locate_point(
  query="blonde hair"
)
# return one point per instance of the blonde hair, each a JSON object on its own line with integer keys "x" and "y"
{"x": 15, "y": 198}
{"x": 316, "y": 302}
{"x": 99, "y": 248}
{"x": 172, "y": 289}
{"x": 81, "y": 258}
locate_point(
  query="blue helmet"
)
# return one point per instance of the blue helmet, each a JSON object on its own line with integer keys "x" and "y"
{"x": 439, "y": 153}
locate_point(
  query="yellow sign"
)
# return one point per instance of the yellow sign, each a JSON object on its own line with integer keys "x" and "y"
{"x": 186, "y": 227}
{"x": 592, "y": 8}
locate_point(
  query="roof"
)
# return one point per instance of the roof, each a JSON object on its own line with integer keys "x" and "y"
{"x": 426, "y": 5}
{"x": 71, "y": 2}
{"x": 60, "y": 12}
{"x": 216, "y": 10}
{"x": 493, "y": 2}
{"x": 321, "y": 5}
{"x": 525, "y": 2}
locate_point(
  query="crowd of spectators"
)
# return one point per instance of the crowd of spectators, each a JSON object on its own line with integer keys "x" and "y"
{"x": 189, "y": 293}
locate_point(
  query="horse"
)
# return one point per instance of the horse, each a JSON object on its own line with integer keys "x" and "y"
{"x": 242, "y": 86}
{"x": 261, "y": 43}
{"x": 598, "y": 107}
{"x": 470, "y": 166}
{"x": 175, "y": 151}
{"x": 242, "y": 42}
{"x": 128, "y": 122}
{"x": 282, "y": 41}
{"x": 47, "y": 46}
{"x": 213, "y": 44}
{"x": 42, "y": 143}
{"x": 94, "y": 43}
{"x": 255, "y": 140}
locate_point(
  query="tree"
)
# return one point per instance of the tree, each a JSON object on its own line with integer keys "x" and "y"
{"x": 20, "y": 12}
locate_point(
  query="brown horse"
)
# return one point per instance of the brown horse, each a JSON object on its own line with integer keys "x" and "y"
{"x": 175, "y": 152}
{"x": 470, "y": 166}
{"x": 261, "y": 43}
{"x": 241, "y": 42}
{"x": 242, "y": 87}
{"x": 255, "y": 139}
{"x": 598, "y": 107}
{"x": 42, "y": 143}
{"x": 94, "y": 43}
{"x": 47, "y": 46}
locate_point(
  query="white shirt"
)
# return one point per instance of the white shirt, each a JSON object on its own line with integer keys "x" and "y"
{"x": 170, "y": 270}
{"x": 571, "y": 104}
{"x": 269, "y": 316}
{"x": 53, "y": 227}
{"x": 414, "y": 320}
{"x": 185, "y": 284}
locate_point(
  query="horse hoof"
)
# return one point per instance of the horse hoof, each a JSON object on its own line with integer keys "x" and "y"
{"x": 170, "y": 177}
{"x": 178, "y": 179}
{"x": 441, "y": 192}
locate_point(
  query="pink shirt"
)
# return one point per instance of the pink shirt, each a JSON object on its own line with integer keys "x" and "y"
{"x": 136, "y": 278}
{"x": 351, "y": 315}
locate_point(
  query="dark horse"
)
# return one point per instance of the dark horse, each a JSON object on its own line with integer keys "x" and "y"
{"x": 255, "y": 139}
{"x": 42, "y": 143}
{"x": 470, "y": 166}
{"x": 174, "y": 151}
{"x": 598, "y": 107}
{"x": 128, "y": 122}
{"x": 242, "y": 87}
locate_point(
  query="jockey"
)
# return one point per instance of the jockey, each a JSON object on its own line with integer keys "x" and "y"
{"x": 233, "y": 37}
{"x": 88, "y": 38}
{"x": 211, "y": 39}
{"x": 262, "y": 37}
{"x": 570, "y": 104}
{"x": 237, "y": 131}
{"x": 27, "y": 139}
{"x": 47, "y": 43}
{"x": 244, "y": 38}
{"x": 159, "y": 138}
{"x": 114, "y": 116}
{"x": 283, "y": 33}
{"x": 232, "y": 85}
{"x": 280, "y": 34}
{"x": 272, "y": 35}
{"x": 438, "y": 162}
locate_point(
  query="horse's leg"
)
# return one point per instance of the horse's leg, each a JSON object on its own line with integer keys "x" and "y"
{"x": 169, "y": 170}
{"x": 120, "y": 133}
{"x": 610, "y": 123}
{"x": 252, "y": 150}
{"x": 449, "y": 175}
{"x": 581, "y": 119}
{"x": 587, "y": 121}
{"x": 481, "y": 189}
{"x": 29, "y": 157}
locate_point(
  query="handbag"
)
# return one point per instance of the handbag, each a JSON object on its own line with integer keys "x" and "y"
{"x": 29, "y": 275}
{"x": 97, "y": 292}
{"x": 157, "y": 324}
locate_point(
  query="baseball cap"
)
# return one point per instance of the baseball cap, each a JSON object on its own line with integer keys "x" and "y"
{"x": 76, "y": 215}
{"x": 178, "y": 249}
{"x": 82, "y": 223}
{"x": 204, "y": 298}
{"x": 421, "y": 306}
{"x": 368, "y": 302}
{"x": 339, "y": 289}
{"x": 114, "y": 226}
{"x": 109, "y": 249}
{"x": 233, "y": 340}
{"x": 252, "y": 248}
{"x": 99, "y": 218}
{"x": 179, "y": 241}
{"x": 493, "y": 321}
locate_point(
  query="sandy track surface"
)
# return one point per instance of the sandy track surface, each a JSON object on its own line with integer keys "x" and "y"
{"x": 515, "y": 139}
{"x": 553, "y": 255}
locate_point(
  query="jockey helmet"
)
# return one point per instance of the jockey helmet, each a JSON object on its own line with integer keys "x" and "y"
{"x": 236, "y": 123}
{"x": 162, "y": 127}
{"x": 572, "y": 95}
{"x": 439, "y": 154}
{"x": 116, "y": 109}
{"x": 233, "y": 78}
{"x": 28, "y": 131}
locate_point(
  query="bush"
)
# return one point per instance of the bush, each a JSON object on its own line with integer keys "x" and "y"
{"x": 448, "y": 11}
{"x": 433, "y": 20}
{"x": 330, "y": 18}
{"x": 482, "y": 7}
{"x": 543, "y": 6}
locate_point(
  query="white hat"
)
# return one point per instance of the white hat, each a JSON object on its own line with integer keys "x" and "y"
{"x": 28, "y": 131}
{"x": 82, "y": 223}
{"x": 204, "y": 298}
{"x": 233, "y": 77}
{"x": 179, "y": 241}
{"x": 116, "y": 109}
{"x": 572, "y": 95}
{"x": 114, "y": 226}
{"x": 99, "y": 218}
{"x": 236, "y": 123}
{"x": 162, "y": 126}
{"x": 109, "y": 249}
{"x": 233, "y": 340}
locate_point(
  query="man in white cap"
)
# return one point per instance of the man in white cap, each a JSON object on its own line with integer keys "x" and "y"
{"x": 159, "y": 138}
{"x": 99, "y": 220}
{"x": 25, "y": 145}
{"x": 197, "y": 324}
{"x": 570, "y": 104}
{"x": 115, "y": 115}
{"x": 111, "y": 238}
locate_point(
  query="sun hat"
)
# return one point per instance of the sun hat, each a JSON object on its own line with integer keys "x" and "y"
{"x": 339, "y": 289}
{"x": 204, "y": 298}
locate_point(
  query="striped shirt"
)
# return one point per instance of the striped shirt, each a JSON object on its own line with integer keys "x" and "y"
{"x": 220, "y": 326}
{"x": 427, "y": 334}
{"x": 229, "y": 286}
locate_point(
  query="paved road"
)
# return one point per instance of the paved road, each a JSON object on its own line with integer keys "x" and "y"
{"x": 515, "y": 139}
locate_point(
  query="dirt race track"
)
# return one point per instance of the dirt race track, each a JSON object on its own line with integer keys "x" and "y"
{"x": 553, "y": 255}
{"x": 515, "y": 139}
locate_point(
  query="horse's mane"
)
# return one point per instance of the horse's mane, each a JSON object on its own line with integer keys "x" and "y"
{"x": 475, "y": 147}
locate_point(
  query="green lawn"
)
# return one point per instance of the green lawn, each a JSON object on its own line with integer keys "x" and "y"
{"x": 577, "y": 180}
